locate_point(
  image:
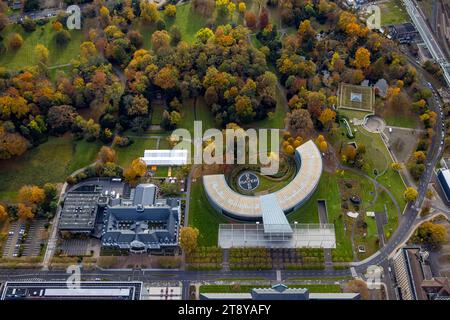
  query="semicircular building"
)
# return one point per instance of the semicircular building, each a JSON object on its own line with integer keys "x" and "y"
{"x": 286, "y": 200}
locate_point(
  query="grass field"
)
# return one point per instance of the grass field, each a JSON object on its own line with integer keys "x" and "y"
{"x": 24, "y": 56}
{"x": 404, "y": 121}
{"x": 126, "y": 155}
{"x": 52, "y": 162}
{"x": 188, "y": 21}
{"x": 157, "y": 113}
{"x": 203, "y": 216}
{"x": 393, "y": 12}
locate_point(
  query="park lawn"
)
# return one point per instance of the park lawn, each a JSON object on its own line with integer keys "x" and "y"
{"x": 392, "y": 180}
{"x": 384, "y": 199}
{"x": 327, "y": 190}
{"x": 86, "y": 153}
{"x": 24, "y": 56}
{"x": 188, "y": 21}
{"x": 393, "y": 12}
{"x": 127, "y": 154}
{"x": 204, "y": 114}
{"x": 51, "y": 162}
{"x": 157, "y": 113}
{"x": 403, "y": 121}
{"x": 187, "y": 116}
{"x": 203, "y": 217}
{"x": 162, "y": 171}
{"x": 352, "y": 114}
{"x": 313, "y": 288}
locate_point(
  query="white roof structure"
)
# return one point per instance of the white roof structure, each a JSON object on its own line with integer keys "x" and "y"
{"x": 87, "y": 292}
{"x": 255, "y": 235}
{"x": 275, "y": 222}
{"x": 175, "y": 157}
{"x": 292, "y": 196}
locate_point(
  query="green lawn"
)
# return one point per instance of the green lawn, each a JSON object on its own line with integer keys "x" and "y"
{"x": 393, "y": 12}
{"x": 204, "y": 114}
{"x": 187, "y": 116}
{"x": 52, "y": 162}
{"x": 188, "y": 21}
{"x": 157, "y": 113}
{"x": 126, "y": 155}
{"x": 313, "y": 288}
{"x": 404, "y": 121}
{"x": 327, "y": 190}
{"x": 24, "y": 56}
{"x": 203, "y": 216}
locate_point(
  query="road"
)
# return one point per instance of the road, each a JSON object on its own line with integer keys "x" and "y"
{"x": 428, "y": 37}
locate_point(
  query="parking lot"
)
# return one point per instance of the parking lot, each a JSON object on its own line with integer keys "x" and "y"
{"x": 24, "y": 239}
{"x": 80, "y": 247}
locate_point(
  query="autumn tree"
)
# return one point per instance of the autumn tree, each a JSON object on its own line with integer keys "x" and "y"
{"x": 242, "y": 7}
{"x": 3, "y": 213}
{"x": 31, "y": 195}
{"x": 61, "y": 118}
{"x": 250, "y": 19}
{"x": 362, "y": 58}
{"x": 327, "y": 117}
{"x": 11, "y": 144}
{"x": 299, "y": 121}
{"x": 106, "y": 154}
{"x": 396, "y": 166}
{"x": 430, "y": 233}
{"x": 137, "y": 169}
{"x": 24, "y": 212}
{"x": 204, "y": 34}
{"x": 149, "y": 12}
{"x": 170, "y": 10}
{"x": 41, "y": 53}
{"x": 160, "y": 39}
{"x": 15, "y": 41}
{"x": 410, "y": 194}
{"x": 349, "y": 152}
{"x": 167, "y": 77}
{"x": 62, "y": 37}
{"x": 188, "y": 239}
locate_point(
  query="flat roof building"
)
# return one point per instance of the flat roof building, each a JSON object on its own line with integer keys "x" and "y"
{"x": 59, "y": 290}
{"x": 279, "y": 292}
{"x": 443, "y": 176}
{"x": 288, "y": 199}
{"x": 272, "y": 208}
{"x": 79, "y": 212}
{"x": 174, "y": 157}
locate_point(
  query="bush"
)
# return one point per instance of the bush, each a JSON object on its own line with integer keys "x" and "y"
{"x": 62, "y": 37}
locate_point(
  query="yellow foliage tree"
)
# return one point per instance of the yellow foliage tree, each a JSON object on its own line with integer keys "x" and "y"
{"x": 3, "y": 213}
{"x": 31, "y": 195}
{"x": 188, "y": 239}
{"x": 410, "y": 194}
{"x": 362, "y": 58}
{"x": 24, "y": 212}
